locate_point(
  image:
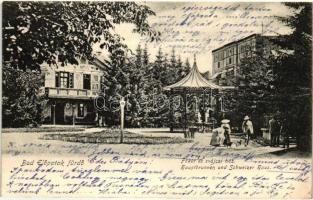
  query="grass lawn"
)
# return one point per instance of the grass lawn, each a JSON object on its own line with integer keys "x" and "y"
{"x": 112, "y": 136}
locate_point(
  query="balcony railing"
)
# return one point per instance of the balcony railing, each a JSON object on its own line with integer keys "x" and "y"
{"x": 70, "y": 93}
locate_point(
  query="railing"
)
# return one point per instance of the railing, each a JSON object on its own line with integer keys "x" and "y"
{"x": 70, "y": 93}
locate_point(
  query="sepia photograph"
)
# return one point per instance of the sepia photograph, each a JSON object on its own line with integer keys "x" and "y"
{"x": 148, "y": 99}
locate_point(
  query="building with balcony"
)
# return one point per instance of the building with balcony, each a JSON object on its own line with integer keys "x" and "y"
{"x": 70, "y": 91}
{"x": 227, "y": 59}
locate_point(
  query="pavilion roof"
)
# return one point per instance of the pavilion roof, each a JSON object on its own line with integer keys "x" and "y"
{"x": 194, "y": 80}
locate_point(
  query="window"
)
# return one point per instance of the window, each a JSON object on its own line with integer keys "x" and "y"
{"x": 71, "y": 80}
{"x": 229, "y": 60}
{"x": 221, "y": 55}
{"x": 95, "y": 86}
{"x": 96, "y": 78}
{"x": 64, "y": 80}
{"x": 57, "y": 79}
{"x": 218, "y": 65}
{"x": 242, "y": 49}
{"x": 86, "y": 81}
{"x": 81, "y": 110}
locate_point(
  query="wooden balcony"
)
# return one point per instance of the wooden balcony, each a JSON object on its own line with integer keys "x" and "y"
{"x": 70, "y": 93}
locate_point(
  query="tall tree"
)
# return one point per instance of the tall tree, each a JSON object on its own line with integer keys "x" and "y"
{"x": 255, "y": 89}
{"x": 187, "y": 63}
{"x": 159, "y": 57}
{"x": 138, "y": 56}
{"x": 34, "y": 32}
{"x": 294, "y": 73}
{"x": 173, "y": 59}
{"x": 145, "y": 56}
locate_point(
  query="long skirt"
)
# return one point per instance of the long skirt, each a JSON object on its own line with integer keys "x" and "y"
{"x": 227, "y": 141}
{"x": 217, "y": 137}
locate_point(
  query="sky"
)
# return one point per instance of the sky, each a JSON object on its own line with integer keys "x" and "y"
{"x": 200, "y": 27}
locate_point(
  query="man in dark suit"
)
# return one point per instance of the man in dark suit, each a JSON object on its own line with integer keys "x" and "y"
{"x": 274, "y": 129}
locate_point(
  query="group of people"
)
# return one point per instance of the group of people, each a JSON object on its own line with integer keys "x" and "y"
{"x": 221, "y": 135}
{"x": 277, "y": 129}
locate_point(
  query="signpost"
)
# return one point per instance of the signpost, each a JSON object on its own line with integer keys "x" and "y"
{"x": 122, "y": 104}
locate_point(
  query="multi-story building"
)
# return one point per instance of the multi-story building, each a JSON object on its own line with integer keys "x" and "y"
{"x": 226, "y": 59}
{"x": 71, "y": 90}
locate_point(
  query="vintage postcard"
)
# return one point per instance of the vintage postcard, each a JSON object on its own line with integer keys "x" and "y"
{"x": 184, "y": 100}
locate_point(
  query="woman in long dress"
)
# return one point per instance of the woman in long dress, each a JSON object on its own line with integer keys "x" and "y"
{"x": 217, "y": 137}
{"x": 227, "y": 141}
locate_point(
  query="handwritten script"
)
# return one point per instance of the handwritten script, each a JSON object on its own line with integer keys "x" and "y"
{"x": 201, "y": 27}
{"x": 200, "y": 171}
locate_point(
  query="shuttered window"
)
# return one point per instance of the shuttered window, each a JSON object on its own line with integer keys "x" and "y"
{"x": 71, "y": 80}
{"x": 57, "y": 79}
{"x": 64, "y": 79}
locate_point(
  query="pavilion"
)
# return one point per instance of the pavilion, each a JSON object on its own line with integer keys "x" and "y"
{"x": 194, "y": 84}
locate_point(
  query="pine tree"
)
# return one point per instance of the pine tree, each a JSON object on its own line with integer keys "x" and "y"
{"x": 117, "y": 80}
{"x": 294, "y": 74}
{"x": 179, "y": 62}
{"x": 159, "y": 57}
{"x": 173, "y": 59}
{"x": 145, "y": 55}
{"x": 180, "y": 68}
{"x": 138, "y": 56}
{"x": 187, "y": 68}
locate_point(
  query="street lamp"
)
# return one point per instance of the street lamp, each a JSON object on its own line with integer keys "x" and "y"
{"x": 54, "y": 104}
{"x": 122, "y": 104}
{"x": 73, "y": 113}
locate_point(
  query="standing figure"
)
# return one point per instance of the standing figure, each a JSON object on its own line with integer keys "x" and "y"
{"x": 274, "y": 129}
{"x": 247, "y": 128}
{"x": 226, "y": 127}
{"x": 218, "y": 135}
{"x": 284, "y": 131}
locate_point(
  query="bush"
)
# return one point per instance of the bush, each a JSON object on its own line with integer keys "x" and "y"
{"x": 21, "y": 103}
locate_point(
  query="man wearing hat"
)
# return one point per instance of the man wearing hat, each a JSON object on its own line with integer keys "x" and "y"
{"x": 247, "y": 128}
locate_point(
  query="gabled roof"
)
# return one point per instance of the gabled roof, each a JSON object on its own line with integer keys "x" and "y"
{"x": 101, "y": 64}
{"x": 193, "y": 80}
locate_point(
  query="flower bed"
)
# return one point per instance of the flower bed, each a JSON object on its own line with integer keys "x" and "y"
{"x": 113, "y": 137}
{"x": 42, "y": 129}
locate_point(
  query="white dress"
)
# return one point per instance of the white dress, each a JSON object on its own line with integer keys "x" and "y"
{"x": 217, "y": 137}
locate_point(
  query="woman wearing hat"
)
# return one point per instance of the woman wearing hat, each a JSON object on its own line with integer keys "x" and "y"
{"x": 218, "y": 136}
{"x": 247, "y": 128}
{"x": 226, "y": 127}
